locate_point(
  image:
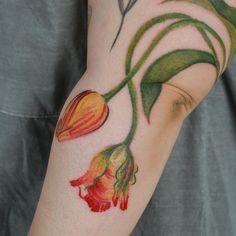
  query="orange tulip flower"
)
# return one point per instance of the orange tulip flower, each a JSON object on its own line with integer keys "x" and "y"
{"x": 84, "y": 114}
{"x": 108, "y": 179}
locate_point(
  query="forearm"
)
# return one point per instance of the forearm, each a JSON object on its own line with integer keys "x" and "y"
{"x": 145, "y": 114}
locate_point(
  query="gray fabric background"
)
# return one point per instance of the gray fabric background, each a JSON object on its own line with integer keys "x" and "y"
{"x": 42, "y": 56}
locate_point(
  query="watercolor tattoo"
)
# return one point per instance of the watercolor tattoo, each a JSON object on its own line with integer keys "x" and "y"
{"x": 112, "y": 171}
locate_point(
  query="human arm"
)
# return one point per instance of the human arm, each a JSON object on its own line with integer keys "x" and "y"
{"x": 61, "y": 211}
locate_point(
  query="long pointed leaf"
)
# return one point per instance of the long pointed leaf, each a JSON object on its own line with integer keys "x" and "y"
{"x": 217, "y": 11}
{"x": 225, "y": 10}
{"x": 182, "y": 23}
{"x": 210, "y": 45}
{"x": 121, "y": 6}
{"x": 164, "y": 68}
{"x": 143, "y": 29}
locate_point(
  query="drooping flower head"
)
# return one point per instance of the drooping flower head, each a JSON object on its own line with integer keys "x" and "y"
{"x": 108, "y": 179}
{"x": 84, "y": 114}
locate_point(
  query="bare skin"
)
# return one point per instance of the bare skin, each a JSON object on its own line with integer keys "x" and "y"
{"x": 61, "y": 211}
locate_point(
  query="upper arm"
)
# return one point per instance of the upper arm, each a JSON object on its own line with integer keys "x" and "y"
{"x": 128, "y": 108}
{"x": 184, "y": 43}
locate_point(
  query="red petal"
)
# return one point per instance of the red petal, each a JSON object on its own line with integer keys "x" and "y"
{"x": 124, "y": 202}
{"x": 115, "y": 200}
{"x": 97, "y": 205}
{"x": 123, "y": 199}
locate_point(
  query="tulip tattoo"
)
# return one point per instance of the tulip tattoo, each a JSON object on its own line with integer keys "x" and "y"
{"x": 84, "y": 114}
{"x": 113, "y": 170}
{"x": 108, "y": 179}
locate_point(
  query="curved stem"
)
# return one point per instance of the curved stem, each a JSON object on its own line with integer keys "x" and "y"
{"x": 211, "y": 47}
{"x": 133, "y": 96}
{"x": 132, "y": 46}
{"x": 107, "y": 96}
{"x": 143, "y": 29}
{"x": 155, "y": 41}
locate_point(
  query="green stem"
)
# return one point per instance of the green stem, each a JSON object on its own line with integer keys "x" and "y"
{"x": 130, "y": 73}
{"x": 155, "y": 41}
{"x": 133, "y": 96}
{"x": 132, "y": 46}
{"x": 120, "y": 86}
{"x": 210, "y": 45}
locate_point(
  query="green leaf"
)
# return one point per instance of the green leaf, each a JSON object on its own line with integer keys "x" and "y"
{"x": 182, "y": 23}
{"x": 213, "y": 6}
{"x": 150, "y": 92}
{"x": 164, "y": 68}
{"x": 210, "y": 45}
{"x": 228, "y": 16}
{"x": 144, "y": 28}
{"x": 121, "y": 175}
{"x": 225, "y": 10}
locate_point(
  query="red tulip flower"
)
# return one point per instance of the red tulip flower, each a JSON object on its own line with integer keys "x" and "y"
{"x": 108, "y": 179}
{"x": 84, "y": 114}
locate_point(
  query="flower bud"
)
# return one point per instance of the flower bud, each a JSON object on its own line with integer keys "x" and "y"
{"x": 84, "y": 114}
